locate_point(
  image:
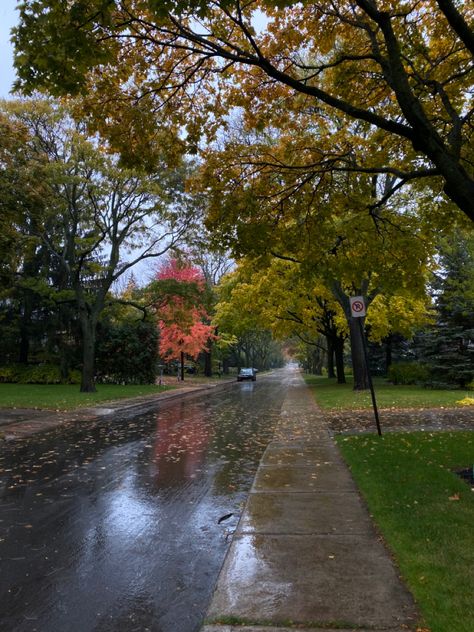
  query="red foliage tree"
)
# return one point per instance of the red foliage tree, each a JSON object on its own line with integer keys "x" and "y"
{"x": 182, "y": 318}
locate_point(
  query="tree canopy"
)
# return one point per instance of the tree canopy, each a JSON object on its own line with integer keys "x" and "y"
{"x": 391, "y": 77}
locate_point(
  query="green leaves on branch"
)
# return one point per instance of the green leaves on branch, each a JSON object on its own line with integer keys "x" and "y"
{"x": 68, "y": 32}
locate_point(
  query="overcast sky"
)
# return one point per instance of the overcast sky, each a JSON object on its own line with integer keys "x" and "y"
{"x": 8, "y": 18}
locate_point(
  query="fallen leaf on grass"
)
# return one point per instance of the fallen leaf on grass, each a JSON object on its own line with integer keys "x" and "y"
{"x": 455, "y": 497}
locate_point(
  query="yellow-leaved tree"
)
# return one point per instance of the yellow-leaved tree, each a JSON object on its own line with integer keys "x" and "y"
{"x": 392, "y": 80}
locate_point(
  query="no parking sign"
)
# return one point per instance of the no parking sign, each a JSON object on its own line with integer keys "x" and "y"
{"x": 357, "y": 306}
{"x": 358, "y": 311}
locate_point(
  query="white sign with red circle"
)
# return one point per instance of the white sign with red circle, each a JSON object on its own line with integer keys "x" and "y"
{"x": 357, "y": 306}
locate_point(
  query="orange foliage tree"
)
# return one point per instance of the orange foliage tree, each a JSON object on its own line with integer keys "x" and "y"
{"x": 183, "y": 318}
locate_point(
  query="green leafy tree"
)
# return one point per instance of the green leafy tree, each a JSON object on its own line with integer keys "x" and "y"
{"x": 27, "y": 268}
{"x": 106, "y": 218}
{"x": 127, "y": 352}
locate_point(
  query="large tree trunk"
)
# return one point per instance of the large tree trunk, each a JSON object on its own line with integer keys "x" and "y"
{"x": 361, "y": 380}
{"x": 182, "y": 366}
{"x": 339, "y": 354}
{"x": 88, "y": 327}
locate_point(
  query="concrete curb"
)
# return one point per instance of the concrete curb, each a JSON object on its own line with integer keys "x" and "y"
{"x": 239, "y": 628}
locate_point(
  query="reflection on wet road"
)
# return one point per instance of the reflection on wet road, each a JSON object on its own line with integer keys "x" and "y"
{"x": 114, "y": 526}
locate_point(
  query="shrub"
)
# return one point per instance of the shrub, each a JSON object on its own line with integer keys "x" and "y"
{"x": 408, "y": 373}
{"x": 9, "y": 374}
{"x": 36, "y": 374}
{"x": 127, "y": 353}
{"x": 42, "y": 374}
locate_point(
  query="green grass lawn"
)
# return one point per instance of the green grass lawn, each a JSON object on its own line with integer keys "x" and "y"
{"x": 426, "y": 514}
{"x": 332, "y": 396}
{"x": 67, "y": 396}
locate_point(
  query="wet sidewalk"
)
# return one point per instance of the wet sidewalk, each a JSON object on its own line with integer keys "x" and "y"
{"x": 305, "y": 551}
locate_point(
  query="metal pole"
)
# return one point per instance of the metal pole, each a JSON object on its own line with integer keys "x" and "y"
{"x": 369, "y": 377}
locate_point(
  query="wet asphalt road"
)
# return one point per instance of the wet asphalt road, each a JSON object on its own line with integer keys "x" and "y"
{"x": 114, "y": 526}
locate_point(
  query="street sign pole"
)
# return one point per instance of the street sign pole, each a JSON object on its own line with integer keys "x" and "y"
{"x": 369, "y": 377}
{"x": 358, "y": 311}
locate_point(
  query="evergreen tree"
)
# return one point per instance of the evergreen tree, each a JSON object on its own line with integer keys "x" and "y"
{"x": 448, "y": 347}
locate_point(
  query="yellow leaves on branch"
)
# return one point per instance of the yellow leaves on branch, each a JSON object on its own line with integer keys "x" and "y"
{"x": 401, "y": 313}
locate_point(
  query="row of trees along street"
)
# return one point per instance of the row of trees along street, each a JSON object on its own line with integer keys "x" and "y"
{"x": 76, "y": 221}
{"x": 327, "y": 145}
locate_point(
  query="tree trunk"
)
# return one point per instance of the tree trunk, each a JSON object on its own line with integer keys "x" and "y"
{"x": 182, "y": 365}
{"x": 330, "y": 352}
{"x": 339, "y": 353}
{"x": 63, "y": 361}
{"x": 63, "y": 347}
{"x": 24, "y": 348}
{"x": 25, "y": 333}
{"x": 388, "y": 353}
{"x": 316, "y": 361}
{"x": 361, "y": 381}
{"x": 207, "y": 364}
{"x": 88, "y": 326}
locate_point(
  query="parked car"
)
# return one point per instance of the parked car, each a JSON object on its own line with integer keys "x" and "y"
{"x": 246, "y": 374}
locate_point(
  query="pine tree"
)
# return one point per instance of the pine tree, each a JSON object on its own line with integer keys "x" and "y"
{"x": 448, "y": 347}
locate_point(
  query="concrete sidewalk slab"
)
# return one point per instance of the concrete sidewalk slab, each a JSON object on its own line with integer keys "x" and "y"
{"x": 305, "y": 550}
{"x": 300, "y": 454}
{"x": 336, "y": 514}
{"x": 327, "y": 476}
{"x": 327, "y": 579}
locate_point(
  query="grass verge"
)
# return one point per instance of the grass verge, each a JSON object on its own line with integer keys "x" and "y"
{"x": 67, "y": 396}
{"x": 332, "y": 396}
{"x": 426, "y": 514}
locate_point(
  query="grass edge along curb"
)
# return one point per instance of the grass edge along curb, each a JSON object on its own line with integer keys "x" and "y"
{"x": 61, "y": 397}
{"x": 331, "y": 396}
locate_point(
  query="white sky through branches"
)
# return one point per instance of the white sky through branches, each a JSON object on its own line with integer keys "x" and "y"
{"x": 8, "y": 19}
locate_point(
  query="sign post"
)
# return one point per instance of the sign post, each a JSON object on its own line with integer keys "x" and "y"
{"x": 358, "y": 311}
